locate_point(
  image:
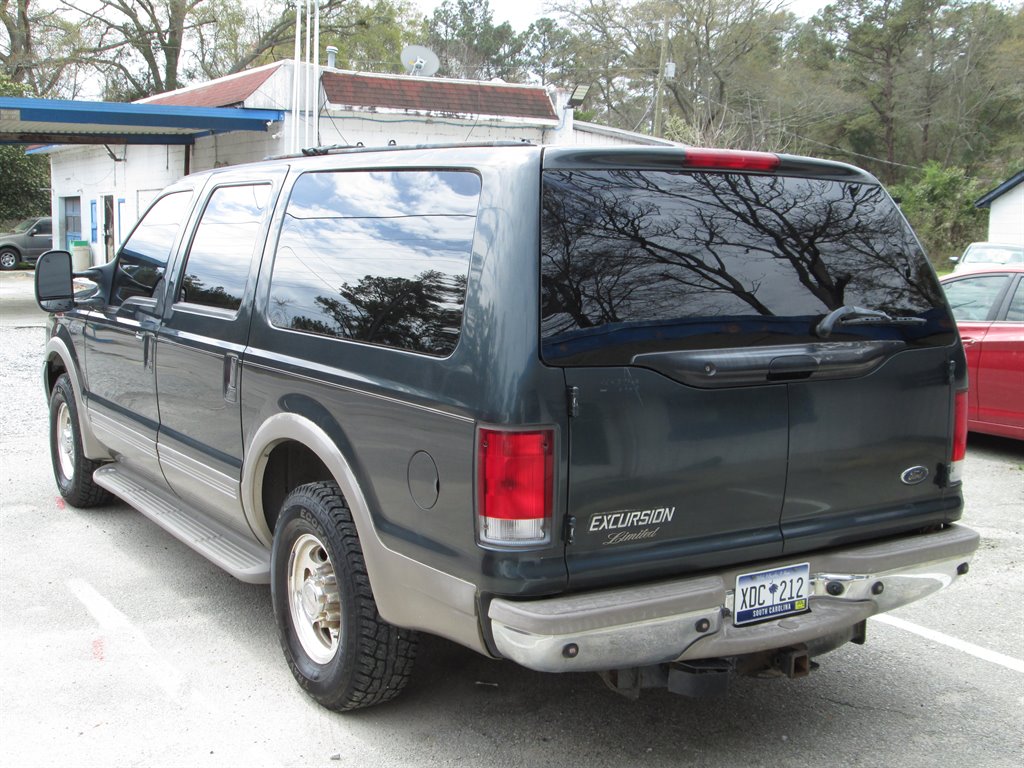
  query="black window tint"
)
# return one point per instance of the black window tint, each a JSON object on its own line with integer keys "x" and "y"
{"x": 218, "y": 259}
{"x": 44, "y": 227}
{"x": 380, "y": 257}
{"x": 143, "y": 258}
{"x": 1015, "y": 313}
{"x": 971, "y": 298}
{"x": 643, "y": 261}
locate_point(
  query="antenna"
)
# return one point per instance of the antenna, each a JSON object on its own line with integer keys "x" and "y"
{"x": 420, "y": 60}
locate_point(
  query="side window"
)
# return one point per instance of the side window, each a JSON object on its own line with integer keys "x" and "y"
{"x": 972, "y": 297}
{"x": 1015, "y": 313}
{"x": 380, "y": 257}
{"x": 218, "y": 260}
{"x": 143, "y": 258}
{"x": 44, "y": 227}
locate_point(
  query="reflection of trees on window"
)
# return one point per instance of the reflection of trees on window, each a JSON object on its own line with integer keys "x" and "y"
{"x": 422, "y": 314}
{"x": 635, "y": 246}
{"x": 194, "y": 290}
{"x": 380, "y": 257}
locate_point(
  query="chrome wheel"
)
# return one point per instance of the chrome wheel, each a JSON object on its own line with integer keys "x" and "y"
{"x": 313, "y": 599}
{"x": 65, "y": 441}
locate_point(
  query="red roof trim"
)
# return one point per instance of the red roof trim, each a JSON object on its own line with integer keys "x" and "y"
{"x": 422, "y": 94}
{"x": 224, "y": 92}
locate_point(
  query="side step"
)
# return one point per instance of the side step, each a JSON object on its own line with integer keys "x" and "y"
{"x": 245, "y": 560}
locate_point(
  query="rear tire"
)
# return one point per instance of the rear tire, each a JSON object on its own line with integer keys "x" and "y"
{"x": 338, "y": 647}
{"x": 71, "y": 469}
{"x": 9, "y": 258}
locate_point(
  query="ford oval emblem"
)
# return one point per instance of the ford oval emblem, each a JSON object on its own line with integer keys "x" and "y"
{"x": 914, "y": 475}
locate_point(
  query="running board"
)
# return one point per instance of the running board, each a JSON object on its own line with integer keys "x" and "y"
{"x": 245, "y": 560}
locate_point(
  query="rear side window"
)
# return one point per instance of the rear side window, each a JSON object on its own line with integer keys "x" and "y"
{"x": 380, "y": 257}
{"x": 218, "y": 259}
{"x": 645, "y": 261}
{"x": 974, "y": 298}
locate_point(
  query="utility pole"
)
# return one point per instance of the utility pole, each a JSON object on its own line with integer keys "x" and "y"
{"x": 661, "y": 76}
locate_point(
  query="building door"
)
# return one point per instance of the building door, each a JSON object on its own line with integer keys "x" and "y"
{"x": 108, "y": 228}
{"x": 72, "y": 220}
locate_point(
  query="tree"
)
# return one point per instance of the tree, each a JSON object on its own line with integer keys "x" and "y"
{"x": 939, "y": 204}
{"x": 37, "y": 51}
{"x": 469, "y": 45}
{"x": 145, "y": 47}
{"x": 26, "y": 187}
{"x": 548, "y": 51}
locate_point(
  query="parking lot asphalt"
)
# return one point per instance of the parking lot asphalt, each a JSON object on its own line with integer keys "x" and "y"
{"x": 119, "y": 646}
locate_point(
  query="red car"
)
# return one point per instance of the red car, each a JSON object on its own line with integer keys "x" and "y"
{"x": 989, "y": 309}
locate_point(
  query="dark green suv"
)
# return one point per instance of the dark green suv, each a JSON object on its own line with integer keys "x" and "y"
{"x": 663, "y": 414}
{"x": 27, "y": 242}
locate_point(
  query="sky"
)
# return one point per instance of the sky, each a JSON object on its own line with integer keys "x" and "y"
{"x": 520, "y": 13}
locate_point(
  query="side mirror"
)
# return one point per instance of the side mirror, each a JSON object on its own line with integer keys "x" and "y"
{"x": 954, "y": 259}
{"x": 55, "y": 291}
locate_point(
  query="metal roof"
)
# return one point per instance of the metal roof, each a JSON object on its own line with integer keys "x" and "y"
{"x": 433, "y": 96}
{"x": 989, "y": 197}
{"x": 53, "y": 121}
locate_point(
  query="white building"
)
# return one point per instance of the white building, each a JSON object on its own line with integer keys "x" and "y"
{"x": 1005, "y": 206}
{"x": 100, "y": 190}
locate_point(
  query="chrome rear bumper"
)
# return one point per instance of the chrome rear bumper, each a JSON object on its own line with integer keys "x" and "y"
{"x": 689, "y": 618}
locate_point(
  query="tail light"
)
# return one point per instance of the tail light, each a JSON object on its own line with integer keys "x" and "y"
{"x": 731, "y": 160}
{"x": 956, "y": 461}
{"x": 515, "y": 472}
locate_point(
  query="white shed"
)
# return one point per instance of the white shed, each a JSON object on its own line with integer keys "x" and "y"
{"x": 1005, "y": 206}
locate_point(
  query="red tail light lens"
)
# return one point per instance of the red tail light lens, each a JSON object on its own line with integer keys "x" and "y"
{"x": 732, "y": 160}
{"x": 515, "y": 486}
{"x": 959, "y": 437}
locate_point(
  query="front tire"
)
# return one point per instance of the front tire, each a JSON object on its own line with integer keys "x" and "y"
{"x": 71, "y": 469}
{"x": 9, "y": 258}
{"x": 338, "y": 647}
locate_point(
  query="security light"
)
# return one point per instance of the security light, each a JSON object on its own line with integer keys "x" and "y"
{"x": 578, "y": 96}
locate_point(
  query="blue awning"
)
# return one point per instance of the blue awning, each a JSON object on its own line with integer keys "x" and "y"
{"x": 53, "y": 121}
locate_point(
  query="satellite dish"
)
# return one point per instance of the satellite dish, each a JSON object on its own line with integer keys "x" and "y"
{"x": 420, "y": 60}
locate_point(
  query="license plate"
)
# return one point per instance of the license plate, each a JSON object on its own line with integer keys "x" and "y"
{"x": 771, "y": 594}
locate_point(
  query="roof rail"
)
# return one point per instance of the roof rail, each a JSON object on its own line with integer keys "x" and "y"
{"x": 342, "y": 149}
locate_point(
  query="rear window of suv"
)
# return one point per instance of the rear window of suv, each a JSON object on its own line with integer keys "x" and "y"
{"x": 638, "y": 261}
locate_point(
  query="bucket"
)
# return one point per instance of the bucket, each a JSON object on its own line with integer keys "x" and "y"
{"x": 81, "y": 255}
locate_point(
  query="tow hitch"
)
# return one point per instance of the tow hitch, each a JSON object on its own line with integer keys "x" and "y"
{"x": 709, "y": 677}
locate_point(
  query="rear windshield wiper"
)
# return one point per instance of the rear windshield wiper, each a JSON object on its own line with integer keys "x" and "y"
{"x": 861, "y": 316}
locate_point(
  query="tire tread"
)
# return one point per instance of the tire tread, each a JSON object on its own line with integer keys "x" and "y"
{"x": 383, "y": 662}
{"x": 81, "y": 492}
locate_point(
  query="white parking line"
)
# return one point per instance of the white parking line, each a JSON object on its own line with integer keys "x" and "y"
{"x": 1017, "y": 665}
{"x": 133, "y": 642}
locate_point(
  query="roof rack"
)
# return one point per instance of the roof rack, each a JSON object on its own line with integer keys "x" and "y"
{"x": 342, "y": 149}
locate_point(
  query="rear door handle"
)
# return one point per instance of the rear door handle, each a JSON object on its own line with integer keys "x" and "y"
{"x": 231, "y": 377}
